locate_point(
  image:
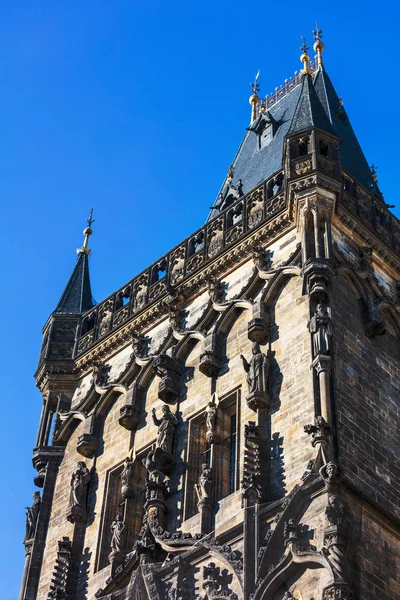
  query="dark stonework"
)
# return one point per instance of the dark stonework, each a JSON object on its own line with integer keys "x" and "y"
{"x": 168, "y": 369}
{"x": 78, "y": 494}
{"x": 257, "y": 376}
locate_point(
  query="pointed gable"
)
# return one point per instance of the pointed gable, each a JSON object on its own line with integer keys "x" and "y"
{"x": 309, "y": 110}
{"x": 353, "y": 159}
{"x": 77, "y": 295}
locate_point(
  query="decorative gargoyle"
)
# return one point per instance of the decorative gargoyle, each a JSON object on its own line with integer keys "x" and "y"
{"x": 169, "y": 370}
{"x": 214, "y": 290}
{"x": 78, "y": 495}
{"x": 138, "y": 344}
{"x": 319, "y": 430}
{"x": 257, "y": 376}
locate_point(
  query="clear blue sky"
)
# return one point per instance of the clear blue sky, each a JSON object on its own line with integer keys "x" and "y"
{"x": 137, "y": 109}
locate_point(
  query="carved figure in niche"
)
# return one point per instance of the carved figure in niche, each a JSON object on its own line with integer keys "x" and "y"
{"x": 118, "y": 534}
{"x": 32, "y": 513}
{"x": 137, "y": 344}
{"x": 320, "y": 326}
{"x": 79, "y": 485}
{"x": 211, "y": 421}
{"x": 257, "y": 370}
{"x": 101, "y": 374}
{"x": 214, "y": 289}
{"x": 204, "y": 486}
{"x": 127, "y": 478}
{"x": 166, "y": 428}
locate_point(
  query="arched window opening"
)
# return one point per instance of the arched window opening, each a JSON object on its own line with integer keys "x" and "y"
{"x": 88, "y": 323}
{"x": 309, "y": 235}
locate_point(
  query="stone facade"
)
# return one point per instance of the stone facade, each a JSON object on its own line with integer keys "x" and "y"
{"x": 226, "y": 424}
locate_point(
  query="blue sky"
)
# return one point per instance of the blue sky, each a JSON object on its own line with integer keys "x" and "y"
{"x": 137, "y": 109}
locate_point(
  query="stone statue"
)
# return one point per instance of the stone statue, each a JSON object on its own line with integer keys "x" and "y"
{"x": 127, "y": 478}
{"x": 79, "y": 484}
{"x": 204, "y": 486}
{"x": 320, "y": 326}
{"x": 257, "y": 370}
{"x": 118, "y": 534}
{"x": 166, "y": 428}
{"x": 32, "y": 513}
{"x": 211, "y": 418}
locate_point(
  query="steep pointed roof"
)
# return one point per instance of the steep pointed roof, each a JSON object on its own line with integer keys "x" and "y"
{"x": 309, "y": 110}
{"x": 77, "y": 295}
{"x": 353, "y": 159}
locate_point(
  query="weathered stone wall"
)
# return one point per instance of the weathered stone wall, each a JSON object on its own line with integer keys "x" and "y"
{"x": 367, "y": 400}
{"x": 374, "y": 552}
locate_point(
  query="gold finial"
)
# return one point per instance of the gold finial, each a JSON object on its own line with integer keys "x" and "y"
{"x": 374, "y": 175}
{"x": 254, "y": 99}
{"x": 304, "y": 58}
{"x": 87, "y": 232}
{"x": 319, "y": 45}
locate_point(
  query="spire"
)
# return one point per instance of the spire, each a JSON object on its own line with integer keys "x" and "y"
{"x": 319, "y": 45}
{"x": 254, "y": 100}
{"x": 309, "y": 110}
{"x": 77, "y": 295}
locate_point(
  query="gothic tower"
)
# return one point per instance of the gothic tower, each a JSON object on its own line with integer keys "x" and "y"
{"x": 225, "y": 425}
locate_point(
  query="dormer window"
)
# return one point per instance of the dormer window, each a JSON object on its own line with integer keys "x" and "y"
{"x": 265, "y": 128}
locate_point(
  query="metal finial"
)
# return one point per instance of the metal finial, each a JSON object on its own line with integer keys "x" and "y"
{"x": 305, "y": 59}
{"x": 255, "y": 86}
{"x": 304, "y": 47}
{"x": 319, "y": 44}
{"x": 87, "y": 232}
{"x": 90, "y": 220}
{"x": 317, "y": 33}
{"x": 254, "y": 99}
{"x": 374, "y": 175}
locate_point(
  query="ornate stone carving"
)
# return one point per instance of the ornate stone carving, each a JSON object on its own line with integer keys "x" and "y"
{"x": 251, "y": 484}
{"x": 257, "y": 375}
{"x": 168, "y": 369}
{"x": 338, "y": 592}
{"x": 330, "y": 475}
{"x": 211, "y": 414}
{"x": 138, "y": 344}
{"x": 204, "y": 486}
{"x": 129, "y": 416}
{"x": 320, "y": 327}
{"x": 32, "y": 513}
{"x": 319, "y": 431}
{"x": 118, "y": 531}
{"x": 291, "y": 531}
{"x": 78, "y": 494}
{"x": 127, "y": 482}
{"x": 214, "y": 290}
{"x": 166, "y": 428}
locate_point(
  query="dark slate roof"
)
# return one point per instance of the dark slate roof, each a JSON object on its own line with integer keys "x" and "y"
{"x": 252, "y": 165}
{"x": 309, "y": 110}
{"x": 353, "y": 159}
{"x": 313, "y": 103}
{"x": 77, "y": 296}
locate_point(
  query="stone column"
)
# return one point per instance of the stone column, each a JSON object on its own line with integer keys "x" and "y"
{"x": 28, "y": 550}
{"x": 33, "y": 575}
{"x": 323, "y": 367}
